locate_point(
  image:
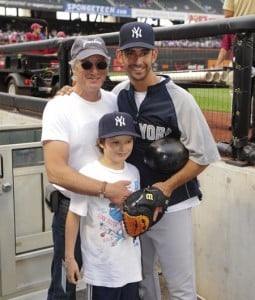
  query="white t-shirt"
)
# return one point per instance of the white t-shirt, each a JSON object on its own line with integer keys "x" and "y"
{"x": 74, "y": 120}
{"x": 111, "y": 258}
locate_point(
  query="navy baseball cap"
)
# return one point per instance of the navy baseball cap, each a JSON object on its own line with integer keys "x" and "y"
{"x": 85, "y": 47}
{"x": 115, "y": 124}
{"x": 136, "y": 34}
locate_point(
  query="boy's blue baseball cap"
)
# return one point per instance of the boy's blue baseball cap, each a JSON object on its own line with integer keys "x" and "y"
{"x": 136, "y": 34}
{"x": 115, "y": 124}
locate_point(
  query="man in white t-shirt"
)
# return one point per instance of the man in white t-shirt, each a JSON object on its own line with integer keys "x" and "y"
{"x": 69, "y": 136}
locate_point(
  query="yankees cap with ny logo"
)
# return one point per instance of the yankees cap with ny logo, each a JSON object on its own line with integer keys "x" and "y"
{"x": 136, "y": 34}
{"x": 115, "y": 124}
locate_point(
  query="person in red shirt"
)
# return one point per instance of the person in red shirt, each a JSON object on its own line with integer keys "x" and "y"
{"x": 35, "y": 34}
{"x": 61, "y": 34}
{"x": 226, "y": 50}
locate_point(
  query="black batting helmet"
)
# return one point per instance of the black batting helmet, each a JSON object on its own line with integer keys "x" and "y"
{"x": 166, "y": 155}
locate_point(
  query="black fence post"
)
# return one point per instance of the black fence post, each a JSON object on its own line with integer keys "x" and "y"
{"x": 64, "y": 68}
{"x": 241, "y": 108}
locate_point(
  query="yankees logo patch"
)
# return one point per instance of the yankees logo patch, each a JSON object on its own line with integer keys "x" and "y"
{"x": 137, "y": 32}
{"x": 120, "y": 121}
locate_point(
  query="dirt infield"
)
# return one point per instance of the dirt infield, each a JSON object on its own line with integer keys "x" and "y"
{"x": 219, "y": 123}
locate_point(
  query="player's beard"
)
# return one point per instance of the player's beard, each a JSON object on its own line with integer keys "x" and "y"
{"x": 139, "y": 74}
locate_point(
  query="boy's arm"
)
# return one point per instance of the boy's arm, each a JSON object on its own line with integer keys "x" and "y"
{"x": 71, "y": 232}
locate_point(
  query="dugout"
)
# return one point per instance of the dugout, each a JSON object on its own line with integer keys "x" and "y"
{"x": 25, "y": 222}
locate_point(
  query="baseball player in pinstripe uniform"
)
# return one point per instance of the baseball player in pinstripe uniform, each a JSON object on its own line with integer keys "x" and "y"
{"x": 161, "y": 108}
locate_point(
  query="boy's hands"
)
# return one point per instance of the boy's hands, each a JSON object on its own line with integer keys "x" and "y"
{"x": 72, "y": 270}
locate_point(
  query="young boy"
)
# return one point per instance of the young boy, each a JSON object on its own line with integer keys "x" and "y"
{"x": 111, "y": 258}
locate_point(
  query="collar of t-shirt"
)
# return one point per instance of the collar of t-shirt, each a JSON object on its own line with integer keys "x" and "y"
{"x": 139, "y": 96}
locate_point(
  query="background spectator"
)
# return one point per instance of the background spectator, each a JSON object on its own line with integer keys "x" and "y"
{"x": 36, "y": 34}
{"x": 61, "y": 34}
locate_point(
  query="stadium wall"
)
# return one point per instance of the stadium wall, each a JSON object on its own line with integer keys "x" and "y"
{"x": 224, "y": 233}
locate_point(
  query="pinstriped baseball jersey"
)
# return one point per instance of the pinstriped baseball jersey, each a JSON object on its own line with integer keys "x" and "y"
{"x": 168, "y": 110}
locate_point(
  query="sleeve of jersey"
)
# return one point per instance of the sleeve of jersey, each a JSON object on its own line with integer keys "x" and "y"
{"x": 122, "y": 85}
{"x": 195, "y": 132}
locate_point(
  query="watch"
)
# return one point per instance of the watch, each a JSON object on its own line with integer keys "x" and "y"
{"x": 102, "y": 191}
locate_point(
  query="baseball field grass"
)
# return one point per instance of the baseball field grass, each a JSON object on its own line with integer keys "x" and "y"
{"x": 209, "y": 99}
{"x": 213, "y": 99}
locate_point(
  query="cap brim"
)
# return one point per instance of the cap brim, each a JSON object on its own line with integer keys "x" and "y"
{"x": 89, "y": 52}
{"x": 138, "y": 45}
{"x": 112, "y": 134}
